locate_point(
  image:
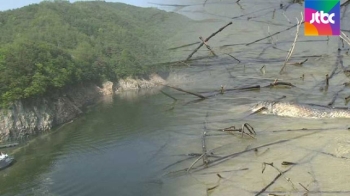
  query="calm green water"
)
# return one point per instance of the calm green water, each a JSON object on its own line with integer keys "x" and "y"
{"x": 129, "y": 145}
{"x": 110, "y": 150}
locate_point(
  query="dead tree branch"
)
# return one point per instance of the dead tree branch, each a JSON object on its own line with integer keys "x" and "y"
{"x": 276, "y": 83}
{"x": 272, "y": 182}
{"x": 206, "y": 40}
{"x": 188, "y": 92}
{"x": 245, "y": 127}
{"x": 166, "y": 94}
{"x": 208, "y": 47}
{"x": 233, "y": 57}
{"x": 271, "y": 164}
{"x": 298, "y": 63}
{"x": 267, "y": 37}
{"x": 227, "y": 157}
{"x": 204, "y": 149}
{"x": 184, "y": 46}
{"x": 294, "y": 43}
{"x": 335, "y": 97}
{"x": 345, "y": 38}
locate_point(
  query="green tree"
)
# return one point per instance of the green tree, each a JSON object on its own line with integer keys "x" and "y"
{"x": 47, "y": 46}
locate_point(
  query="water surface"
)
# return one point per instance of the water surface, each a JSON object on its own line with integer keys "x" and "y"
{"x": 139, "y": 144}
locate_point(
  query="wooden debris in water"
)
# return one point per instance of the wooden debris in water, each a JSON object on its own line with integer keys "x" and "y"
{"x": 185, "y": 91}
{"x": 267, "y": 37}
{"x": 298, "y": 63}
{"x": 335, "y": 97}
{"x": 217, "y": 184}
{"x": 184, "y": 46}
{"x": 272, "y": 182}
{"x": 222, "y": 90}
{"x": 166, "y": 94}
{"x": 344, "y": 37}
{"x": 229, "y": 156}
{"x": 287, "y": 163}
{"x": 290, "y": 52}
{"x": 206, "y": 45}
{"x": 200, "y": 154}
{"x": 246, "y": 129}
{"x": 204, "y": 149}
{"x": 276, "y": 83}
{"x": 263, "y": 70}
{"x": 261, "y": 153}
{"x": 206, "y": 40}
{"x": 173, "y": 98}
{"x": 347, "y": 99}
{"x": 233, "y": 57}
{"x": 307, "y": 190}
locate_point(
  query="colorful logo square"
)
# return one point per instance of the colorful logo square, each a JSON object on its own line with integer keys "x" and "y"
{"x": 322, "y": 17}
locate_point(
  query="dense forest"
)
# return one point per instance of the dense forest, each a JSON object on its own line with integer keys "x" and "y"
{"x": 45, "y": 47}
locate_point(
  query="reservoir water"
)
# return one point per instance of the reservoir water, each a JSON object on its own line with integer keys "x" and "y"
{"x": 145, "y": 143}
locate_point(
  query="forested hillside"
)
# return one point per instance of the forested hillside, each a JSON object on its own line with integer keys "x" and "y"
{"x": 47, "y": 46}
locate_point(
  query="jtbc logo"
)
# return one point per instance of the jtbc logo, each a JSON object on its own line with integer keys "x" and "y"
{"x": 317, "y": 16}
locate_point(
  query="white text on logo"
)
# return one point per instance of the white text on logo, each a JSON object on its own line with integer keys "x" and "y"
{"x": 316, "y": 17}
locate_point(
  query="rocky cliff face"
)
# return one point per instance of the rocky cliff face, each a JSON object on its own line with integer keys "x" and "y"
{"x": 28, "y": 117}
{"x": 33, "y": 116}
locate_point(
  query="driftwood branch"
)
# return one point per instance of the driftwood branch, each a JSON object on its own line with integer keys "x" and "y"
{"x": 281, "y": 172}
{"x": 335, "y": 97}
{"x": 227, "y": 157}
{"x": 199, "y": 158}
{"x": 345, "y": 3}
{"x": 272, "y": 182}
{"x": 298, "y": 63}
{"x": 233, "y": 57}
{"x": 345, "y": 38}
{"x": 208, "y": 47}
{"x": 206, "y": 40}
{"x": 184, "y": 46}
{"x": 293, "y": 45}
{"x": 166, "y": 94}
{"x": 276, "y": 83}
{"x": 247, "y": 88}
{"x": 246, "y": 129}
{"x": 267, "y": 37}
{"x": 204, "y": 149}
{"x": 200, "y": 154}
{"x": 185, "y": 91}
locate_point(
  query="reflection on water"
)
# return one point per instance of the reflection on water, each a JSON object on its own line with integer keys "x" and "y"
{"x": 108, "y": 150}
{"x": 140, "y": 145}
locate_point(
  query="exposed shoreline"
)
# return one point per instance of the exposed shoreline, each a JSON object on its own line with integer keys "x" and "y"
{"x": 30, "y": 117}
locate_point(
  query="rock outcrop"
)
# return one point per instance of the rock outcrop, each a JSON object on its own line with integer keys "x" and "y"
{"x": 28, "y": 117}
{"x": 135, "y": 84}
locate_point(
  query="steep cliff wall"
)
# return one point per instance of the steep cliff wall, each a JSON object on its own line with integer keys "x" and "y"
{"x": 33, "y": 116}
{"x": 28, "y": 117}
